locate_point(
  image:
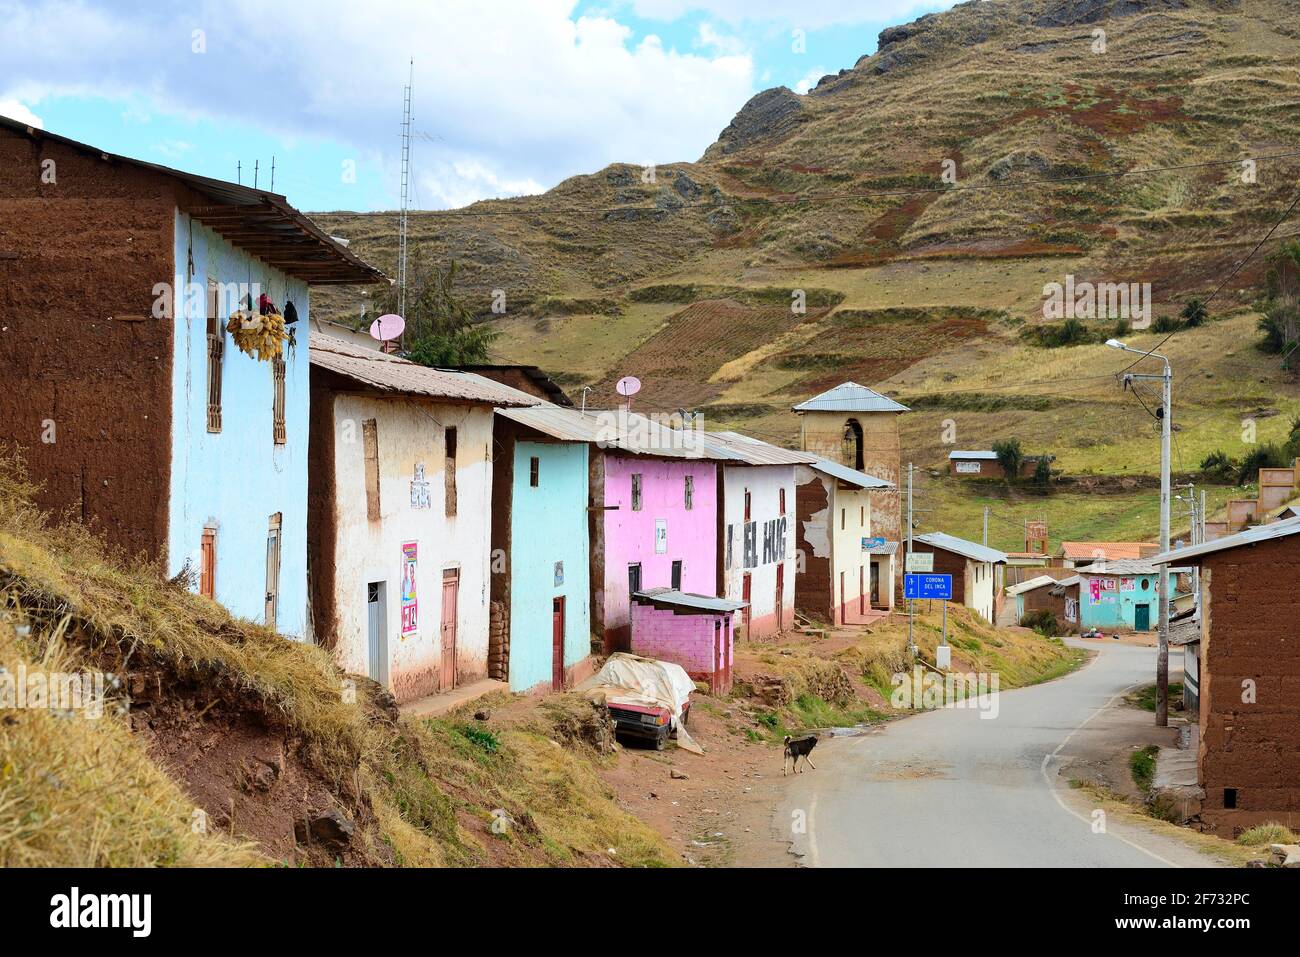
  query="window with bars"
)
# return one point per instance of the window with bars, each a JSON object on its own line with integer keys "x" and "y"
{"x": 216, "y": 354}
{"x": 449, "y": 436}
{"x": 534, "y": 471}
{"x": 782, "y": 497}
{"x": 748, "y": 503}
{"x": 370, "y": 440}
{"x": 277, "y": 403}
{"x": 690, "y": 492}
{"x": 636, "y": 492}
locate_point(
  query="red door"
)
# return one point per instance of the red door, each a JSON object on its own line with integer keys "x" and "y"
{"x": 744, "y": 596}
{"x": 715, "y": 684}
{"x": 557, "y": 644}
{"x": 843, "y": 603}
{"x": 450, "y": 595}
{"x": 862, "y": 591}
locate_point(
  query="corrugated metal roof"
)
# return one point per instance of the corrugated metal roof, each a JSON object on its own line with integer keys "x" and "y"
{"x": 1251, "y": 536}
{"x": 687, "y": 601}
{"x": 1033, "y": 584}
{"x": 987, "y": 455}
{"x": 1105, "y": 550}
{"x": 1185, "y": 632}
{"x": 850, "y": 397}
{"x": 1065, "y": 583}
{"x": 951, "y": 543}
{"x": 751, "y": 451}
{"x": 291, "y": 241}
{"x": 1121, "y": 566}
{"x": 851, "y": 476}
{"x": 617, "y": 429}
{"x": 387, "y": 373}
{"x": 889, "y": 548}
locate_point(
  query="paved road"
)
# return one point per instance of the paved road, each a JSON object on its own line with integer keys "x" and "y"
{"x": 949, "y": 788}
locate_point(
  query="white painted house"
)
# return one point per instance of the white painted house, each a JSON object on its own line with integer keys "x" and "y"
{"x": 976, "y": 569}
{"x": 756, "y": 555}
{"x": 400, "y": 501}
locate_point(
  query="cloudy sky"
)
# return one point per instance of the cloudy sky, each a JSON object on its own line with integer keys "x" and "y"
{"x": 511, "y": 96}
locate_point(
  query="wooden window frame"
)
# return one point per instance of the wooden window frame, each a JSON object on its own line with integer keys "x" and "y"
{"x": 782, "y": 501}
{"x": 748, "y": 503}
{"x": 274, "y": 551}
{"x": 449, "y": 439}
{"x": 278, "y": 432}
{"x": 216, "y": 352}
{"x": 688, "y": 483}
{"x": 637, "y": 492}
{"x": 534, "y": 472}
{"x": 370, "y": 445}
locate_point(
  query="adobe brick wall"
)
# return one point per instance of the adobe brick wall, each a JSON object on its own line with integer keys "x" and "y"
{"x": 1251, "y": 615}
{"x": 322, "y": 519}
{"x": 73, "y": 254}
{"x": 812, "y": 586}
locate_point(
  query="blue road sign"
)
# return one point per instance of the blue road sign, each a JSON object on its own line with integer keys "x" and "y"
{"x": 927, "y": 586}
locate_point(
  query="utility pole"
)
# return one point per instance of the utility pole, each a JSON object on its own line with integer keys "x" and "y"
{"x": 1162, "y": 601}
{"x": 911, "y": 643}
{"x": 986, "y": 526}
{"x": 406, "y": 179}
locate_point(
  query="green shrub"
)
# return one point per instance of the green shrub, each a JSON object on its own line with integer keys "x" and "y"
{"x": 1266, "y": 456}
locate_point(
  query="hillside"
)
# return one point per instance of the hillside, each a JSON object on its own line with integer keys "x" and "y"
{"x": 920, "y": 287}
{"x": 220, "y": 743}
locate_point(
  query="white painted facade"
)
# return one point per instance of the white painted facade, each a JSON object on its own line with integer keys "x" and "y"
{"x": 234, "y": 480}
{"x": 410, "y": 433}
{"x": 772, "y": 544}
{"x": 981, "y": 588}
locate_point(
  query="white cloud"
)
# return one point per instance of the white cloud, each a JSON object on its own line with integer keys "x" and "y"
{"x": 519, "y": 87}
{"x": 710, "y": 38}
{"x": 810, "y": 79}
{"x": 18, "y": 111}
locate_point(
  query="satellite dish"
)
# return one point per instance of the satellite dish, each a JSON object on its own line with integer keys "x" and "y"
{"x": 387, "y": 327}
{"x": 629, "y": 386}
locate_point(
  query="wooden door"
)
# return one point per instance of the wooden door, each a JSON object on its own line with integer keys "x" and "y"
{"x": 875, "y": 584}
{"x": 719, "y": 662}
{"x": 272, "y": 570}
{"x": 450, "y": 596}
{"x": 780, "y": 596}
{"x": 1142, "y": 618}
{"x": 557, "y": 644}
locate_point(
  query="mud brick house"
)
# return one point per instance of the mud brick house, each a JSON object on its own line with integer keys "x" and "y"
{"x": 976, "y": 570}
{"x": 1249, "y": 752}
{"x": 528, "y": 379}
{"x": 984, "y": 464}
{"x": 756, "y": 511}
{"x": 857, "y": 428}
{"x": 1045, "y": 593}
{"x": 1082, "y": 554}
{"x": 400, "y": 505}
{"x": 541, "y": 594}
{"x": 128, "y": 398}
{"x": 694, "y": 631}
{"x": 842, "y": 575}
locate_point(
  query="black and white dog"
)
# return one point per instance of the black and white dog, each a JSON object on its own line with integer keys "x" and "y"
{"x": 797, "y": 748}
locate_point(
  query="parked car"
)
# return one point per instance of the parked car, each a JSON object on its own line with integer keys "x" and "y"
{"x": 644, "y": 722}
{"x": 648, "y": 699}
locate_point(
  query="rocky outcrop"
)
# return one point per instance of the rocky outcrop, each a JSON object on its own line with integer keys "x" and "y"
{"x": 1071, "y": 13}
{"x": 767, "y": 116}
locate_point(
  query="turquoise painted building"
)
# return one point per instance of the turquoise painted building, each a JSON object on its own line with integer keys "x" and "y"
{"x": 1120, "y": 595}
{"x": 540, "y": 637}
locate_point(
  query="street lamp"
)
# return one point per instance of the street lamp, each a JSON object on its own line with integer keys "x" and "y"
{"x": 1162, "y": 653}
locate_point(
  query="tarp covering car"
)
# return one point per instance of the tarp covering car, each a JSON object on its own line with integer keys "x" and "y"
{"x": 632, "y": 679}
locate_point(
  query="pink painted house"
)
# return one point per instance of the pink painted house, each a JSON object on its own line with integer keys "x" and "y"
{"x": 657, "y": 527}
{"x": 652, "y": 508}
{"x": 694, "y": 631}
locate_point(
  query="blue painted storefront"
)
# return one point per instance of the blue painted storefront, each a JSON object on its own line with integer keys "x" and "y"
{"x": 548, "y": 559}
{"x": 236, "y": 479}
{"x": 1117, "y": 608}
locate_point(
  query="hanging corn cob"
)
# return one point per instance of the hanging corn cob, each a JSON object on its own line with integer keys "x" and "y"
{"x": 262, "y": 337}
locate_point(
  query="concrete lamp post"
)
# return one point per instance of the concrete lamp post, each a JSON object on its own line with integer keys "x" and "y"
{"x": 1162, "y": 653}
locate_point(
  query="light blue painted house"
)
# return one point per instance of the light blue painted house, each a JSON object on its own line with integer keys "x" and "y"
{"x": 540, "y": 629}
{"x": 1120, "y": 595}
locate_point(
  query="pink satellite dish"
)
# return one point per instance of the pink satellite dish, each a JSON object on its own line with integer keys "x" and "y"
{"x": 629, "y": 386}
{"x": 386, "y": 327}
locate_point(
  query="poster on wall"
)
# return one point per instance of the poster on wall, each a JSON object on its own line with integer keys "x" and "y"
{"x": 661, "y": 536}
{"x": 410, "y": 605}
{"x": 1094, "y": 589}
